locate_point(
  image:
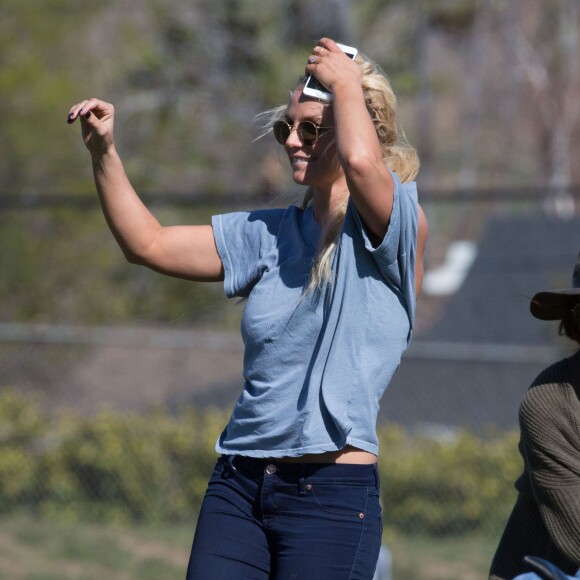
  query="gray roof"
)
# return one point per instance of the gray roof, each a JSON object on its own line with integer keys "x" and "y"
{"x": 486, "y": 347}
{"x": 517, "y": 257}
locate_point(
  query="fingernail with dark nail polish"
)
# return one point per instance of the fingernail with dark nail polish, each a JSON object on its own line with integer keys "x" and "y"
{"x": 69, "y": 118}
{"x": 87, "y": 114}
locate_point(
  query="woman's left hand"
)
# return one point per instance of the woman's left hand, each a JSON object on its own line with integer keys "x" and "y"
{"x": 331, "y": 66}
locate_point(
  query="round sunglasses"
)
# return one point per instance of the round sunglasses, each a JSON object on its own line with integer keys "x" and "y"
{"x": 308, "y": 132}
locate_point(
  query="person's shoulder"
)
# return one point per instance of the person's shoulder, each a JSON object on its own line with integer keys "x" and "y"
{"x": 270, "y": 219}
{"x": 553, "y": 392}
{"x": 566, "y": 370}
{"x": 408, "y": 187}
{"x": 274, "y": 213}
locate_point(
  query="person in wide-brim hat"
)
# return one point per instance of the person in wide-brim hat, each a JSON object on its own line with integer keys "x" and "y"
{"x": 545, "y": 521}
{"x": 554, "y": 304}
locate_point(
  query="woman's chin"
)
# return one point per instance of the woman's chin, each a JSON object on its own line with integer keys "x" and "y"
{"x": 302, "y": 176}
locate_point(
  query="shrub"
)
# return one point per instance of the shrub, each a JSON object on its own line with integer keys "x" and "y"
{"x": 457, "y": 485}
{"x": 154, "y": 467}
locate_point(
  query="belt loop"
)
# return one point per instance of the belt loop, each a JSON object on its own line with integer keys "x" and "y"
{"x": 230, "y": 467}
{"x": 302, "y": 480}
{"x": 377, "y": 478}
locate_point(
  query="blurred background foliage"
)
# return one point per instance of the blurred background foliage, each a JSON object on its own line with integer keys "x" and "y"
{"x": 486, "y": 93}
{"x": 153, "y": 468}
{"x": 187, "y": 78}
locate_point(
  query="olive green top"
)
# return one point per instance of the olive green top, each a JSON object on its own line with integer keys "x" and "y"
{"x": 545, "y": 520}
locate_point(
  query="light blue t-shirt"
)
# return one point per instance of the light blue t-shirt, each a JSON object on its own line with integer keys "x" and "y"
{"x": 534, "y": 576}
{"x": 316, "y": 364}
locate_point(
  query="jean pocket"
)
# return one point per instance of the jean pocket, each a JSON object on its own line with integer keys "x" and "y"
{"x": 342, "y": 499}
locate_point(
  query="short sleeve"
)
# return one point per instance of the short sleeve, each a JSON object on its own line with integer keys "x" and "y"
{"x": 395, "y": 256}
{"x": 243, "y": 241}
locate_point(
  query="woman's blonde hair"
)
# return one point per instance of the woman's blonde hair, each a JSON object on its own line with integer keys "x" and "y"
{"x": 398, "y": 156}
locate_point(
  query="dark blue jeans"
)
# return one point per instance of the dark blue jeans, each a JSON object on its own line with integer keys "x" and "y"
{"x": 264, "y": 520}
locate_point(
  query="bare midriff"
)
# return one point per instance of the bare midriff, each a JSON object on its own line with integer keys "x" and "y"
{"x": 348, "y": 454}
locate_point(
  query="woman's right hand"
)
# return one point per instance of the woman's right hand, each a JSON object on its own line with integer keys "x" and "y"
{"x": 97, "y": 119}
{"x": 182, "y": 251}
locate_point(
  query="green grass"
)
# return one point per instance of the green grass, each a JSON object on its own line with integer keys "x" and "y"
{"x": 32, "y": 549}
{"x": 453, "y": 558}
{"x": 44, "y": 550}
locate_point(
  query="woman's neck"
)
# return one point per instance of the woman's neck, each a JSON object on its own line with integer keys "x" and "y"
{"x": 326, "y": 202}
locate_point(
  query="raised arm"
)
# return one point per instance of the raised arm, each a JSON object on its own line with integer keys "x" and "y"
{"x": 182, "y": 251}
{"x": 370, "y": 184}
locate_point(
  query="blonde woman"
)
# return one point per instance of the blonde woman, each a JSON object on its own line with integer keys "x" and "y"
{"x": 330, "y": 290}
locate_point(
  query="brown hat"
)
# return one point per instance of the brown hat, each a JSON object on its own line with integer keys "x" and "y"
{"x": 553, "y": 305}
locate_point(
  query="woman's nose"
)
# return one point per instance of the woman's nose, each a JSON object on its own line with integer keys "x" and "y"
{"x": 293, "y": 139}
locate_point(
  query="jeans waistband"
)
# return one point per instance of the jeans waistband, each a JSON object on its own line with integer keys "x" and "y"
{"x": 366, "y": 474}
